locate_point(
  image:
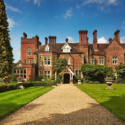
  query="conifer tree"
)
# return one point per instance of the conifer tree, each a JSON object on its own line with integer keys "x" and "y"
{"x": 6, "y": 56}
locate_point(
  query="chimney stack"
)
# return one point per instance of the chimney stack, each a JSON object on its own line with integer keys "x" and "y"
{"x": 24, "y": 35}
{"x": 110, "y": 39}
{"x": 81, "y": 37}
{"x": 86, "y": 38}
{"x": 95, "y": 40}
{"x": 117, "y": 35}
{"x": 37, "y": 38}
{"x": 52, "y": 39}
{"x": 66, "y": 40}
{"x": 46, "y": 40}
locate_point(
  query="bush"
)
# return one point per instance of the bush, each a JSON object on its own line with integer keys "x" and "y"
{"x": 55, "y": 83}
{"x": 58, "y": 80}
{"x": 71, "y": 80}
{"x": 38, "y": 78}
{"x": 120, "y": 80}
{"x": 78, "y": 76}
{"x": 14, "y": 76}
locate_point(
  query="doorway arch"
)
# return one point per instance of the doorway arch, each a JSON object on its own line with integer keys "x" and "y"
{"x": 66, "y": 78}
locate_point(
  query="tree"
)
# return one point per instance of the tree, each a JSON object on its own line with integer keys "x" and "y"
{"x": 6, "y": 56}
{"x": 59, "y": 64}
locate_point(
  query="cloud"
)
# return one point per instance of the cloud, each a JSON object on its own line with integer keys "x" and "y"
{"x": 70, "y": 39}
{"x": 107, "y": 2}
{"x": 11, "y": 23}
{"x": 122, "y": 39}
{"x": 17, "y": 51}
{"x": 68, "y": 13}
{"x": 36, "y": 2}
{"x": 77, "y": 7}
{"x": 8, "y": 7}
{"x": 102, "y": 40}
{"x": 123, "y": 25}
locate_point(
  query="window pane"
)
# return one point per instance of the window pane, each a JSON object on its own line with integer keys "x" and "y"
{"x": 48, "y": 62}
{"x": 48, "y": 72}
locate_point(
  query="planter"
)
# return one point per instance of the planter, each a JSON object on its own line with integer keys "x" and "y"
{"x": 109, "y": 83}
{"x": 61, "y": 82}
{"x": 79, "y": 81}
{"x": 20, "y": 82}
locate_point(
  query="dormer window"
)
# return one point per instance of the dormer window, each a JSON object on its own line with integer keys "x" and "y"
{"x": 66, "y": 48}
{"x": 114, "y": 48}
{"x": 47, "y": 48}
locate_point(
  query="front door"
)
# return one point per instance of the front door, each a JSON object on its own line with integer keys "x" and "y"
{"x": 66, "y": 78}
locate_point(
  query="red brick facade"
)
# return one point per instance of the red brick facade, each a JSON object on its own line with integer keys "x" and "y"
{"x": 111, "y": 54}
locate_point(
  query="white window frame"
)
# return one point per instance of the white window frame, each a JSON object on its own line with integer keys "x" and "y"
{"x": 93, "y": 60}
{"x": 47, "y": 48}
{"x": 25, "y": 61}
{"x": 47, "y": 74}
{"x": 46, "y": 61}
{"x": 40, "y": 73}
{"x": 68, "y": 59}
{"x": 101, "y": 60}
{"x": 115, "y": 60}
{"x": 29, "y": 52}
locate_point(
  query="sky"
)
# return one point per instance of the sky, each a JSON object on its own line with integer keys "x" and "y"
{"x": 63, "y": 19}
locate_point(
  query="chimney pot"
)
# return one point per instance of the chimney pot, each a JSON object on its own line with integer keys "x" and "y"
{"x": 24, "y": 35}
{"x": 110, "y": 39}
{"x": 46, "y": 40}
{"x": 66, "y": 40}
{"x": 117, "y": 35}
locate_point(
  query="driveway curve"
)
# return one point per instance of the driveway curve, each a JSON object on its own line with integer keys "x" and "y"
{"x": 64, "y": 105}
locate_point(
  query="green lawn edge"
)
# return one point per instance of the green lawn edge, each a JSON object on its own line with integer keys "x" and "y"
{"x": 10, "y": 101}
{"x": 113, "y": 100}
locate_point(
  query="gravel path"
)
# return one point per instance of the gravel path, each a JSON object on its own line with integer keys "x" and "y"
{"x": 64, "y": 105}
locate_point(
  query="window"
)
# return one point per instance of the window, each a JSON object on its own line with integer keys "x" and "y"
{"x": 101, "y": 60}
{"x": 28, "y": 52}
{"x": 40, "y": 60}
{"x": 25, "y": 61}
{"x": 114, "y": 48}
{"x": 78, "y": 72}
{"x": 40, "y": 73}
{"x": 21, "y": 72}
{"x": 47, "y": 60}
{"x": 15, "y": 71}
{"x": 92, "y": 60}
{"x": 31, "y": 61}
{"x": 114, "y": 60}
{"x": 47, "y": 74}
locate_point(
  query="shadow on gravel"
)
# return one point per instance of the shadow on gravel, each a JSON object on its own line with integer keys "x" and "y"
{"x": 94, "y": 115}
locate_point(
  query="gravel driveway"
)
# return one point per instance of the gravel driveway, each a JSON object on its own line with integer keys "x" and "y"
{"x": 64, "y": 105}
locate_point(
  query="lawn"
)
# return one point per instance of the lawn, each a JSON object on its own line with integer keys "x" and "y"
{"x": 114, "y": 100}
{"x": 13, "y": 100}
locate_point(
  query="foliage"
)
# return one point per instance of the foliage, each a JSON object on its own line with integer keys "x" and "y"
{"x": 121, "y": 72}
{"x": 55, "y": 83}
{"x": 108, "y": 78}
{"x": 59, "y": 64}
{"x": 58, "y": 80}
{"x": 53, "y": 76}
{"x": 13, "y": 100}
{"x": 71, "y": 80}
{"x": 121, "y": 80}
{"x": 38, "y": 78}
{"x": 112, "y": 100}
{"x": 6, "y": 56}
{"x": 13, "y": 77}
{"x": 61, "y": 80}
{"x": 78, "y": 76}
{"x": 96, "y": 72}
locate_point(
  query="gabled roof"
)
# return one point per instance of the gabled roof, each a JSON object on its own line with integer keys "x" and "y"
{"x": 101, "y": 49}
{"x": 58, "y": 48}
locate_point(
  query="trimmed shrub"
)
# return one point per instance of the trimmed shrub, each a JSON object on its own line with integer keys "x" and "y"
{"x": 55, "y": 83}
{"x": 58, "y": 80}
{"x": 38, "y": 78}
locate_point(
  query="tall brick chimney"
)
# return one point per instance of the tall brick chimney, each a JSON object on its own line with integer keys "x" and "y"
{"x": 52, "y": 39}
{"x": 24, "y": 35}
{"x": 37, "y": 38}
{"x": 46, "y": 40}
{"x": 81, "y": 37}
{"x": 110, "y": 40}
{"x": 95, "y": 40}
{"x": 86, "y": 38}
{"x": 117, "y": 35}
{"x": 66, "y": 40}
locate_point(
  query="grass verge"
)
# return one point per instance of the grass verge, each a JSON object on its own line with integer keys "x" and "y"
{"x": 113, "y": 100}
{"x": 13, "y": 100}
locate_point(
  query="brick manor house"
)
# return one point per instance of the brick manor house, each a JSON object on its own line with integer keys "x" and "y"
{"x": 32, "y": 53}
